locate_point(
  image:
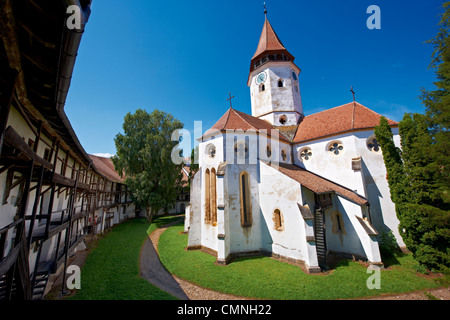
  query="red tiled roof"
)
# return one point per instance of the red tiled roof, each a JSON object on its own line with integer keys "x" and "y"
{"x": 269, "y": 41}
{"x": 236, "y": 120}
{"x": 106, "y": 167}
{"x": 185, "y": 179}
{"x": 318, "y": 184}
{"x": 345, "y": 118}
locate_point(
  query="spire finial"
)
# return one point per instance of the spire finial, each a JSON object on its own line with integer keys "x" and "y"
{"x": 265, "y": 9}
{"x": 229, "y": 99}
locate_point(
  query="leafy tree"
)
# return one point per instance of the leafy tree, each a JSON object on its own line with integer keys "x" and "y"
{"x": 437, "y": 102}
{"x": 144, "y": 155}
{"x": 414, "y": 181}
{"x": 193, "y": 167}
{"x": 418, "y": 174}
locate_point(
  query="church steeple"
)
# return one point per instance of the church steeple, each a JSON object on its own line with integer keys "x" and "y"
{"x": 273, "y": 81}
{"x": 270, "y": 48}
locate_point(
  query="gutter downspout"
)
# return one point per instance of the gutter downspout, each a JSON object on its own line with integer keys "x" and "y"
{"x": 68, "y": 53}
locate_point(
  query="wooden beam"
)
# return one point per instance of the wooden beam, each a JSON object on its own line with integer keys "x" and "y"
{"x": 5, "y": 103}
{"x": 35, "y": 205}
{"x": 13, "y": 139}
{"x": 9, "y": 180}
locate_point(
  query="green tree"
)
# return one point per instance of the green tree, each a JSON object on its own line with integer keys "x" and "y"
{"x": 437, "y": 102}
{"x": 144, "y": 155}
{"x": 418, "y": 174}
{"x": 193, "y": 167}
{"x": 415, "y": 184}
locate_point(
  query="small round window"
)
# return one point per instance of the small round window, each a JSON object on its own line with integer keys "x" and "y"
{"x": 211, "y": 151}
{"x": 373, "y": 144}
{"x": 336, "y": 148}
{"x": 282, "y": 119}
{"x": 305, "y": 154}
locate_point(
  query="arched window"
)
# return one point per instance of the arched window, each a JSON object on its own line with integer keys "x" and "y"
{"x": 280, "y": 83}
{"x": 262, "y": 87}
{"x": 278, "y": 220}
{"x": 268, "y": 151}
{"x": 213, "y": 197}
{"x": 283, "y": 155}
{"x": 245, "y": 200}
{"x": 207, "y": 197}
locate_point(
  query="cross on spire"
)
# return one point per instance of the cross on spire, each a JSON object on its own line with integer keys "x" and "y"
{"x": 354, "y": 107}
{"x": 265, "y": 9}
{"x": 229, "y": 99}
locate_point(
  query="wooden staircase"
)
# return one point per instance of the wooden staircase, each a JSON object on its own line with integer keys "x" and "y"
{"x": 321, "y": 245}
{"x": 4, "y": 292}
{"x": 40, "y": 283}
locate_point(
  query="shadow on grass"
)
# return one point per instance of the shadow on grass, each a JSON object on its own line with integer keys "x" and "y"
{"x": 390, "y": 260}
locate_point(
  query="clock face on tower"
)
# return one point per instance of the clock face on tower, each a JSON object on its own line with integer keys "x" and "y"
{"x": 260, "y": 78}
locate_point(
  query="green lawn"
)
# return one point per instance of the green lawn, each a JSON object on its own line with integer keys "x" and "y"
{"x": 111, "y": 271}
{"x": 266, "y": 278}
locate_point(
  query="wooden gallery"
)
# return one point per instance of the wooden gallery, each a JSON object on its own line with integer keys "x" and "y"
{"x": 53, "y": 194}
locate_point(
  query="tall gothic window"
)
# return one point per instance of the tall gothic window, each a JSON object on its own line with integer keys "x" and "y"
{"x": 213, "y": 193}
{"x": 245, "y": 200}
{"x": 207, "y": 197}
{"x": 277, "y": 220}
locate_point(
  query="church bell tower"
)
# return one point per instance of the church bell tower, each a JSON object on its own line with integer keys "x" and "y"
{"x": 273, "y": 81}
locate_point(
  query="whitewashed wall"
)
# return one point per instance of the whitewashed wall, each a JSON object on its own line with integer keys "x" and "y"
{"x": 369, "y": 182}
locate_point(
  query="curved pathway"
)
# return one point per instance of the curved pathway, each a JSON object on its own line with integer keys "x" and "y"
{"x": 154, "y": 272}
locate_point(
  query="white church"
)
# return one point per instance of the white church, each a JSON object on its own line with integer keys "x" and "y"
{"x": 294, "y": 187}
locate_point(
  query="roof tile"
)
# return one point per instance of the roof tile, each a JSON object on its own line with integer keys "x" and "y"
{"x": 318, "y": 184}
{"x": 106, "y": 167}
{"x": 345, "y": 118}
{"x": 236, "y": 120}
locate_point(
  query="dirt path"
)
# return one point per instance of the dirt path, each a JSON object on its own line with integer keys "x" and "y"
{"x": 431, "y": 294}
{"x": 189, "y": 290}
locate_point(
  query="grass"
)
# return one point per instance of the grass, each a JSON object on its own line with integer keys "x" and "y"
{"x": 266, "y": 278}
{"x": 111, "y": 271}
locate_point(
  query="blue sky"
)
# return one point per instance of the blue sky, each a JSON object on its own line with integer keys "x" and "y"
{"x": 184, "y": 57}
